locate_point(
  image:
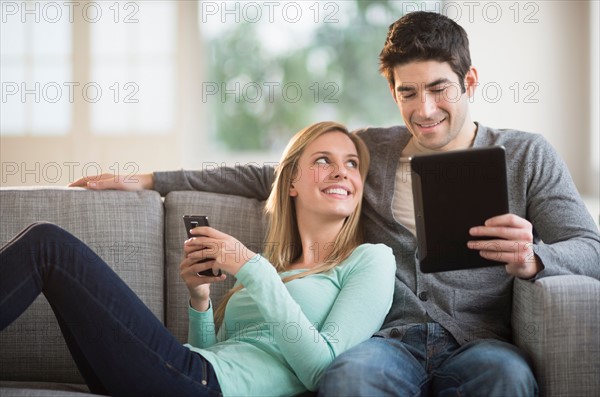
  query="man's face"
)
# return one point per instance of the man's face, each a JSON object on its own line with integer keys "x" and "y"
{"x": 434, "y": 109}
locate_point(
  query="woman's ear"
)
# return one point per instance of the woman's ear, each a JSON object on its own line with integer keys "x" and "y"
{"x": 293, "y": 191}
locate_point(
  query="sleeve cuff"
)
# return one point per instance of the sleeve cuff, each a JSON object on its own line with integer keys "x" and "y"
{"x": 195, "y": 314}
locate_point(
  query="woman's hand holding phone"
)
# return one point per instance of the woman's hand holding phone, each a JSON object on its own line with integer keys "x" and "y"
{"x": 206, "y": 252}
{"x": 217, "y": 249}
{"x": 197, "y": 285}
{"x": 197, "y": 270}
{"x": 192, "y": 222}
{"x": 225, "y": 252}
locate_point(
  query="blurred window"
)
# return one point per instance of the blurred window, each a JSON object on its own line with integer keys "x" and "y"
{"x": 112, "y": 64}
{"x": 36, "y": 70}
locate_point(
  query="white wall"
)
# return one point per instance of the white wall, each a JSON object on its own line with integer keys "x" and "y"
{"x": 535, "y": 74}
{"x": 548, "y": 48}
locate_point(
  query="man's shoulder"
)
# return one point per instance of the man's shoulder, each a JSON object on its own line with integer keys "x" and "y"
{"x": 382, "y": 132}
{"x": 383, "y": 136}
{"x": 521, "y": 147}
{"x": 511, "y": 139}
{"x": 508, "y": 135}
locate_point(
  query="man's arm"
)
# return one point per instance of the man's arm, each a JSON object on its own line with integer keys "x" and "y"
{"x": 570, "y": 242}
{"x": 563, "y": 237}
{"x": 115, "y": 182}
{"x": 249, "y": 181}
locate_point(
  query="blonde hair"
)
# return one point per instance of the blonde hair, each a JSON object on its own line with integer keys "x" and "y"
{"x": 283, "y": 244}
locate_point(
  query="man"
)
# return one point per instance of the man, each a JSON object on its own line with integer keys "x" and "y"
{"x": 447, "y": 333}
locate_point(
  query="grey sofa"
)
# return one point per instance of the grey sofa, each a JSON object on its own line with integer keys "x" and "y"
{"x": 140, "y": 235}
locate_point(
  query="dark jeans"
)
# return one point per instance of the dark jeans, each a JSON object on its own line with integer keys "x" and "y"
{"x": 427, "y": 361}
{"x": 118, "y": 344}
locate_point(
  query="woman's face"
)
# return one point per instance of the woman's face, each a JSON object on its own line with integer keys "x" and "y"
{"x": 328, "y": 184}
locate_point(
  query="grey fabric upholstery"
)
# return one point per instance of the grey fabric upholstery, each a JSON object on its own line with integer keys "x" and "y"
{"x": 556, "y": 320}
{"x": 124, "y": 228}
{"x": 43, "y": 389}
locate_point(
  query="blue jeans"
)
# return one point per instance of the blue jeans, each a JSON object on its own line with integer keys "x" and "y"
{"x": 118, "y": 344}
{"x": 427, "y": 361}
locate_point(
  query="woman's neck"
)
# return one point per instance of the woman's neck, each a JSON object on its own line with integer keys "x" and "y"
{"x": 318, "y": 241}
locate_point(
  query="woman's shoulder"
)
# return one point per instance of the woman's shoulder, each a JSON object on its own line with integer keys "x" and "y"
{"x": 372, "y": 249}
{"x": 366, "y": 255}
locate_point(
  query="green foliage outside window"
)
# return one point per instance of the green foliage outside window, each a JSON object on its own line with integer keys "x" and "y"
{"x": 260, "y": 97}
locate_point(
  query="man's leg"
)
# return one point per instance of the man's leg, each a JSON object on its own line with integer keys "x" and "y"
{"x": 485, "y": 368}
{"x": 376, "y": 367}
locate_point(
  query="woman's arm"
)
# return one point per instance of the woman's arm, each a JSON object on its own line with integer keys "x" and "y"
{"x": 359, "y": 310}
{"x": 366, "y": 289}
{"x": 201, "y": 331}
{"x": 201, "y": 328}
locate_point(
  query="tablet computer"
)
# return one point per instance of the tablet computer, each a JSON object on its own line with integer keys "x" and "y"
{"x": 452, "y": 192}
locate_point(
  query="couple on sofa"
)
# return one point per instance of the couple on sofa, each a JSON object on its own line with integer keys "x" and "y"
{"x": 319, "y": 294}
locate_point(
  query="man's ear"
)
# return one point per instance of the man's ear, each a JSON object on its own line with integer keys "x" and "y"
{"x": 471, "y": 81}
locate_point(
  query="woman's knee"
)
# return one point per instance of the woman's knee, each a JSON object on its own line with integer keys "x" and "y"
{"x": 47, "y": 231}
{"x": 43, "y": 226}
{"x": 49, "y": 239}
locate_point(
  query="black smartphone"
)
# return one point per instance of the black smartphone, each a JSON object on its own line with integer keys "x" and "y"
{"x": 190, "y": 222}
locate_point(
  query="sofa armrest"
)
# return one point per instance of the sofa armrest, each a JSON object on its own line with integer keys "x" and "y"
{"x": 556, "y": 321}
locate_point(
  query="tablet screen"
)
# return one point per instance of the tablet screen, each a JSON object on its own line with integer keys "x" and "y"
{"x": 452, "y": 192}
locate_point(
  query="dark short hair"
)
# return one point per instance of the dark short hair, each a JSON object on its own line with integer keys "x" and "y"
{"x": 425, "y": 36}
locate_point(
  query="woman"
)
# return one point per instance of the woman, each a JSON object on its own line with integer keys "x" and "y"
{"x": 313, "y": 293}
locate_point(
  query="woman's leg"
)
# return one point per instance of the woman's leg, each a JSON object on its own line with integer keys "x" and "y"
{"x": 87, "y": 372}
{"x": 117, "y": 342}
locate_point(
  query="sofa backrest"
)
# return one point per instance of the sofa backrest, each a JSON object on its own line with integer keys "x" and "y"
{"x": 242, "y": 218}
{"x": 125, "y": 228}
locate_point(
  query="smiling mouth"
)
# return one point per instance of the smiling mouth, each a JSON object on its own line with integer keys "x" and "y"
{"x": 338, "y": 191}
{"x": 431, "y": 125}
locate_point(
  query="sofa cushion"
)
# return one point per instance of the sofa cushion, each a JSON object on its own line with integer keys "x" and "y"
{"x": 43, "y": 389}
{"x": 243, "y": 218}
{"x": 124, "y": 228}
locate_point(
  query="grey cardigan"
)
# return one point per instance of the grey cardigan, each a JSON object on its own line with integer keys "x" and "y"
{"x": 470, "y": 304}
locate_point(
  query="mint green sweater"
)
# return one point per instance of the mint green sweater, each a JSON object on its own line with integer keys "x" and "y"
{"x": 277, "y": 339}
